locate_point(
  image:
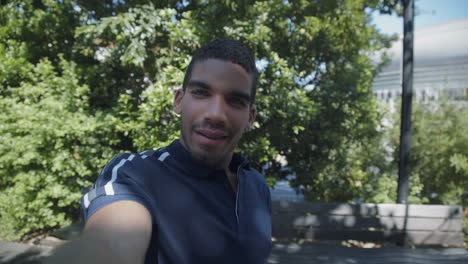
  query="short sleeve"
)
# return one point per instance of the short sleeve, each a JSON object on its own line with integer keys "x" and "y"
{"x": 116, "y": 182}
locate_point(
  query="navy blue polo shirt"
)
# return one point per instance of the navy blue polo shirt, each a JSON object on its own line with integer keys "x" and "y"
{"x": 196, "y": 215}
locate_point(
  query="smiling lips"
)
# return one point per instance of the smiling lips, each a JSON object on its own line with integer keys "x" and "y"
{"x": 208, "y": 136}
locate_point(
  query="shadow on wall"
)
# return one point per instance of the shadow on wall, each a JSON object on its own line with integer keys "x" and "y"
{"x": 415, "y": 225}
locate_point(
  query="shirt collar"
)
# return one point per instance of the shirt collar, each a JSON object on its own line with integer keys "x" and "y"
{"x": 199, "y": 169}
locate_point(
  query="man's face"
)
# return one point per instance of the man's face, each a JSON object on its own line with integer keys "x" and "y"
{"x": 215, "y": 110}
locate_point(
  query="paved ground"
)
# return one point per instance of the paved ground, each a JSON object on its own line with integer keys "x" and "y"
{"x": 14, "y": 253}
{"x": 334, "y": 254}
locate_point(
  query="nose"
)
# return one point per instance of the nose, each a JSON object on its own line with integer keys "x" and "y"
{"x": 216, "y": 112}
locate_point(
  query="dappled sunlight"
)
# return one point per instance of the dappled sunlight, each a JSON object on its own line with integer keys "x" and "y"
{"x": 414, "y": 225}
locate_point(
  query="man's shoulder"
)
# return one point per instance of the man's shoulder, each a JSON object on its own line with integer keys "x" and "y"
{"x": 127, "y": 176}
{"x": 251, "y": 171}
{"x": 256, "y": 177}
{"x": 136, "y": 156}
{"x": 124, "y": 160}
{"x": 153, "y": 153}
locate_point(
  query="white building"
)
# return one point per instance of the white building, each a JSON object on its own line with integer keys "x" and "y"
{"x": 440, "y": 64}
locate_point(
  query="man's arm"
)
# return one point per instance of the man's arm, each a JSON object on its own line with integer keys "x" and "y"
{"x": 117, "y": 233}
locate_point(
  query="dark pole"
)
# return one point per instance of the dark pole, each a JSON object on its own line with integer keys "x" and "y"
{"x": 405, "y": 132}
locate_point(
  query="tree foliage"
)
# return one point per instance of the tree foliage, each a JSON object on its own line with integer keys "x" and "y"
{"x": 52, "y": 146}
{"x": 438, "y": 155}
{"x": 439, "y": 150}
{"x": 81, "y": 81}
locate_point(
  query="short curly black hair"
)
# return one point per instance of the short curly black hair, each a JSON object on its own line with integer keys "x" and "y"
{"x": 227, "y": 50}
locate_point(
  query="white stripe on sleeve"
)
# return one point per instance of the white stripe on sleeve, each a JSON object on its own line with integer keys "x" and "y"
{"x": 86, "y": 200}
{"x": 109, "y": 189}
{"x": 163, "y": 156}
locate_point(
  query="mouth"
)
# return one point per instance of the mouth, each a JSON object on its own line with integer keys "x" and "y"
{"x": 211, "y": 137}
{"x": 212, "y": 134}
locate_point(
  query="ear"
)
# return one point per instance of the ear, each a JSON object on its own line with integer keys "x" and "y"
{"x": 252, "y": 115}
{"x": 178, "y": 101}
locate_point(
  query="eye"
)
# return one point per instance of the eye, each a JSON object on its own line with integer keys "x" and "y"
{"x": 237, "y": 101}
{"x": 200, "y": 92}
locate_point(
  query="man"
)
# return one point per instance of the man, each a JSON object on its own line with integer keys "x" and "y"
{"x": 194, "y": 201}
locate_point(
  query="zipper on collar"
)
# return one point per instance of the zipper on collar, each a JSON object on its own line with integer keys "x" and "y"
{"x": 237, "y": 193}
{"x": 238, "y": 189}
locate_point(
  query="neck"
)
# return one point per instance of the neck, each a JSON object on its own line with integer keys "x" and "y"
{"x": 221, "y": 163}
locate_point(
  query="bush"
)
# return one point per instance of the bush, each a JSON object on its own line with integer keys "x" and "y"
{"x": 52, "y": 146}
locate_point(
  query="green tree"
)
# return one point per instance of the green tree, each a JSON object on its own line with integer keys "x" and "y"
{"x": 84, "y": 80}
{"x": 439, "y": 149}
{"x": 51, "y": 148}
{"x": 438, "y": 155}
{"x": 314, "y": 93}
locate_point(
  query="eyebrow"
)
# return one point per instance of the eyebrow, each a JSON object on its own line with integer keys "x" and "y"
{"x": 200, "y": 84}
{"x": 204, "y": 85}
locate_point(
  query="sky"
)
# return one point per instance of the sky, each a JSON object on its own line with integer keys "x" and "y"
{"x": 431, "y": 12}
